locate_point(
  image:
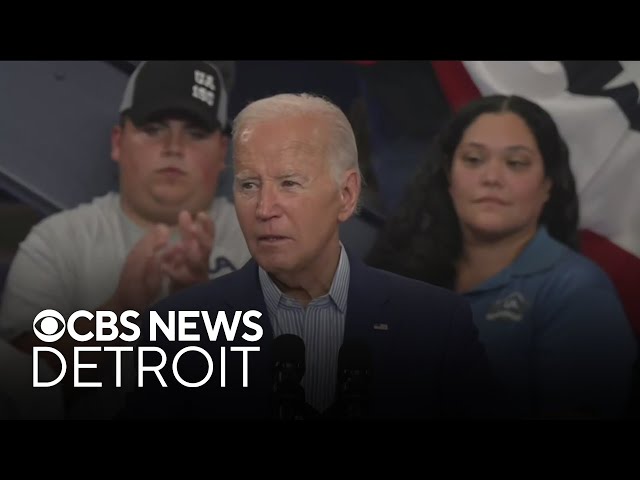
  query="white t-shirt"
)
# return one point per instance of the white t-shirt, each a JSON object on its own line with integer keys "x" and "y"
{"x": 72, "y": 260}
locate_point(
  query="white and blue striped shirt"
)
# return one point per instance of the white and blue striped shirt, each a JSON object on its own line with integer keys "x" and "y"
{"x": 320, "y": 325}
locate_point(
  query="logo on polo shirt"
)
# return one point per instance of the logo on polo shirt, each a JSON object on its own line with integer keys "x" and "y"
{"x": 508, "y": 309}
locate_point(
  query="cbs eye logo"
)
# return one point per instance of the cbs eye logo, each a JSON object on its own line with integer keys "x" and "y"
{"x": 49, "y": 326}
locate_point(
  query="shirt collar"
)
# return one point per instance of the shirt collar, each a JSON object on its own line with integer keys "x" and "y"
{"x": 338, "y": 291}
{"x": 540, "y": 254}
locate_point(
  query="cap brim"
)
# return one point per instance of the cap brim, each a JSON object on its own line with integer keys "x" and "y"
{"x": 142, "y": 114}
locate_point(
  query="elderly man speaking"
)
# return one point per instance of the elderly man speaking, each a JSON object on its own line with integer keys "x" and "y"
{"x": 335, "y": 338}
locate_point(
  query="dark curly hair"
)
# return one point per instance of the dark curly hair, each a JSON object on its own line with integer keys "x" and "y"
{"x": 423, "y": 239}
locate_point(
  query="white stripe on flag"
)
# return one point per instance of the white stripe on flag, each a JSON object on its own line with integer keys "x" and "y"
{"x": 605, "y": 153}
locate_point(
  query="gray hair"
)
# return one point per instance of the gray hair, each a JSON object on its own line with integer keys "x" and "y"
{"x": 342, "y": 149}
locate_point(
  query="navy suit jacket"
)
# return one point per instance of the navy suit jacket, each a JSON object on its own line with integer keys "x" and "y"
{"x": 427, "y": 361}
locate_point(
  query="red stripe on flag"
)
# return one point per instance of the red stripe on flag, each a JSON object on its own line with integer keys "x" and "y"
{"x": 622, "y": 267}
{"x": 455, "y": 82}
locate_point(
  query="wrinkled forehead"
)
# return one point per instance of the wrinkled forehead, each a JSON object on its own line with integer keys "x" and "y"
{"x": 285, "y": 139}
{"x": 292, "y": 159}
{"x": 310, "y": 128}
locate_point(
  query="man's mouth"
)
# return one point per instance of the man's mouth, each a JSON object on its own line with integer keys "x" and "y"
{"x": 271, "y": 238}
{"x": 171, "y": 171}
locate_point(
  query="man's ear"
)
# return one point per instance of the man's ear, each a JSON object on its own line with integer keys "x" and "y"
{"x": 349, "y": 195}
{"x": 116, "y": 139}
{"x": 224, "y": 146}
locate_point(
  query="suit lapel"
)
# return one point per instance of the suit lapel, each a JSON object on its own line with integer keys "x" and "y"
{"x": 367, "y": 295}
{"x": 244, "y": 293}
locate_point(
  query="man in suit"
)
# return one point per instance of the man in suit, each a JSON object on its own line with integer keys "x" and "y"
{"x": 373, "y": 344}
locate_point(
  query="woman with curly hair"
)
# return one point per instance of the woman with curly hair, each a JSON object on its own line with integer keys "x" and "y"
{"x": 493, "y": 214}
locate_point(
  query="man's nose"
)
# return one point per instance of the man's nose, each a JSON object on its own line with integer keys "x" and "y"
{"x": 268, "y": 202}
{"x": 174, "y": 139}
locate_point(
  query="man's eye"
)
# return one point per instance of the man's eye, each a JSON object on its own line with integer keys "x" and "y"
{"x": 198, "y": 133}
{"x": 151, "y": 128}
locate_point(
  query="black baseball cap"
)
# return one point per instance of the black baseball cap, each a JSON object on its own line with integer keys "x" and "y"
{"x": 194, "y": 87}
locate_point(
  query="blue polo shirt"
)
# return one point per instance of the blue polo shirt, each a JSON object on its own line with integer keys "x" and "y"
{"x": 556, "y": 334}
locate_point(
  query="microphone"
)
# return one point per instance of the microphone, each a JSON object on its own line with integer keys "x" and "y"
{"x": 354, "y": 376}
{"x": 288, "y": 369}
